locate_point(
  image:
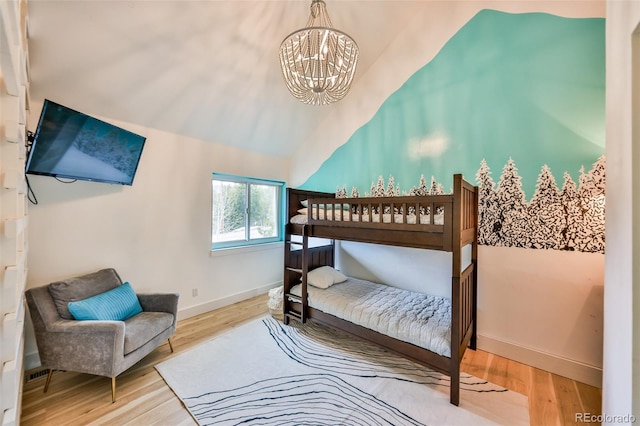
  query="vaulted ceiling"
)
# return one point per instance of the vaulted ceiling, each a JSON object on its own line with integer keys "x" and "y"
{"x": 207, "y": 69}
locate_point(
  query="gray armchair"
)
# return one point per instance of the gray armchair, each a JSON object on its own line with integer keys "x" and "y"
{"x": 104, "y": 348}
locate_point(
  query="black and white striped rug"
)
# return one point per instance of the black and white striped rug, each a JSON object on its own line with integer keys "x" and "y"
{"x": 266, "y": 373}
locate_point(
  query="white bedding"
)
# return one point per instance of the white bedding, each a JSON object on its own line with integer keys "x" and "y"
{"x": 425, "y": 219}
{"x": 421, "y": 319}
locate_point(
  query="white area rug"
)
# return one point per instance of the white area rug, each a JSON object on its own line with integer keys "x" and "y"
{"x": 266, "y": 373}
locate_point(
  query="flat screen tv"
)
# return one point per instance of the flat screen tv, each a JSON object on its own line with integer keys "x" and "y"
{"x": 70, "y": 144}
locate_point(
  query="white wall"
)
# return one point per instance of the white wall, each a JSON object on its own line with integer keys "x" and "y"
{"x": 409, "y": 268}
{"x": 621, "y": 382}
{"x": 543, "y": 308}
{"x": 156, "y": 233}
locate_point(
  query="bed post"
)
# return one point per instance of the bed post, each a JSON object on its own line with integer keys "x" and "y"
{"x": 305, "y": 271}
{"x": 474, "y": 259}
{"x": 455, "y": 290}
{"x": 286, "y": 285}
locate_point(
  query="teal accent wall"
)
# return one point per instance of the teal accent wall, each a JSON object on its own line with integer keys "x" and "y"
{"x": 530, "y": 87}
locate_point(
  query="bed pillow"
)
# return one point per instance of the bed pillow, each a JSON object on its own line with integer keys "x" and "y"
{"x": 118, "y": 304}
{"x": 299, "y": 219}
{"x": 303, "y": 211}
{"x": 325, "y": 277}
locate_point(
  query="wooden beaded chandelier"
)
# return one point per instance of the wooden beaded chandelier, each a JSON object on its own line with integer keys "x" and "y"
{"x": 318, "y": 62}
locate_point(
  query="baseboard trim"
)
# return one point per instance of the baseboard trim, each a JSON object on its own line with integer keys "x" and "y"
{"x": 571, "y": 369}
{"x": 192, "y": 311}
{"x": 31, "y": 361}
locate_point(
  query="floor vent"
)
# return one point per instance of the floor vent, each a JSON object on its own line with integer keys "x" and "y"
{"x": 37, "y": 374}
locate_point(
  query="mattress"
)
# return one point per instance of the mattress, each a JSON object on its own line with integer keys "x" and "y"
{"x": 417, "y": 318}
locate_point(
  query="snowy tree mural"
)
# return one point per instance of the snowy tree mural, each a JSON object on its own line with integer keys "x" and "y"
{"x": 570, "y": 218}
{"x": 513, "y": 227}
{"x": 392, "y": 190}
{"x": 590, "y": 236}
{"x": 435, "y": 188}
{"x": 488, "y": 213}
{"x": 572, "y": 210}
{"x": 377, "y": 189}
{"x": 422, "y": 188}
{"x": 546, "y": 214}
{"x": 598, "y": 175}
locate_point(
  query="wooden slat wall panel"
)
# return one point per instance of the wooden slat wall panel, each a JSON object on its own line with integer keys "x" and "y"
{"x": 14, "y": 97}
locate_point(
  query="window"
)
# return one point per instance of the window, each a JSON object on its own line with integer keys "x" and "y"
{"x": 245, "y": 211}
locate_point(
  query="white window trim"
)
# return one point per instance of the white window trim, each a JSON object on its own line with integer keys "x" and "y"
{"x": 238, "y": 250}
{"x": 251, "y": 245}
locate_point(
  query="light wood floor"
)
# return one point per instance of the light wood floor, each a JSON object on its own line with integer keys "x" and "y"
{"x": 143, "y": 398}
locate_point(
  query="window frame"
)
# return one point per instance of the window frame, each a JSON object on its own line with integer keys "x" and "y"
{"x": 248, "y": 181}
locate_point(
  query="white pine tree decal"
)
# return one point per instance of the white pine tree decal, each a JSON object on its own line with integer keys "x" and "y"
{"x": 488, "y": 213}
{"x": 422, "y": 189}
{"x": 586, "y": 190}
{"x": 591, "y": 236}
{"x": 392, "y": 190}
{"x": 435, "y": 188}
{"x": 598, "y": 174}
{"x": 341, "y": 192}
{"x": 378, "y": 190}
{"x": 546, "y": 214}
{"x": 512, "y": 207}
{"x": 572, "y": 211}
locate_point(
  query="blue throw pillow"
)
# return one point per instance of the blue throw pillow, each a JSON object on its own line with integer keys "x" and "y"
{"x": 113, "y": 305}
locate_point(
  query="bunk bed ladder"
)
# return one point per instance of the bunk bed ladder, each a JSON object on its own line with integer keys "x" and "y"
{"x": 294, "y": 269}
{"x": 290, "y": 275}
{"x": 305, "y": 271}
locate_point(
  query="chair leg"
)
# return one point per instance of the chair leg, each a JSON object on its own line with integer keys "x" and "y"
{"x": 170, "y": 345}
{"x": 113, "y": 390}
{"x": 46, "y": 383}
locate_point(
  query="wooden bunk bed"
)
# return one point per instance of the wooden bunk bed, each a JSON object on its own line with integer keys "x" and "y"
{"x": 434, "y": 222}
